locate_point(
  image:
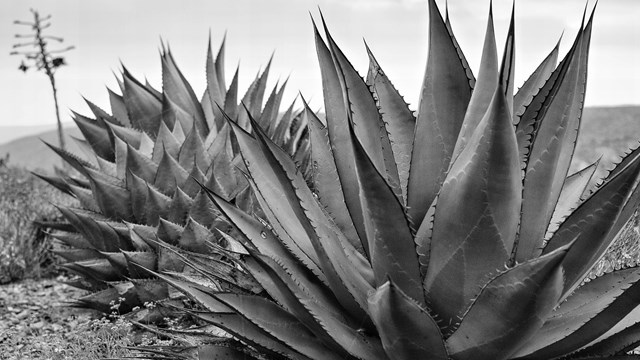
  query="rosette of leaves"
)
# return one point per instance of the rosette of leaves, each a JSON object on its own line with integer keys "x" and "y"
{"x": 455, "y": 234}
{"x": 138, "y": 181}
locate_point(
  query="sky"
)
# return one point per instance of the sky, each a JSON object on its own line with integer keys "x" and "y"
{"x": 106, "y": 33}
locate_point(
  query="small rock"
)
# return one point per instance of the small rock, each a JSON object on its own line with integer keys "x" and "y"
{"x": 37, "y": 325}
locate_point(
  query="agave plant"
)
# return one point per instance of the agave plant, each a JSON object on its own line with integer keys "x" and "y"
{"x": 138, "y": 181}
{"x": 455, "y": 234}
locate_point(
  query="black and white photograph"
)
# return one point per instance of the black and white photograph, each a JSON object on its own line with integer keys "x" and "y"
{"x": 320, "y": 180}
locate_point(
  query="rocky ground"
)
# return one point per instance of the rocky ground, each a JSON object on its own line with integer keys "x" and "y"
{"x": 35, "y": 323}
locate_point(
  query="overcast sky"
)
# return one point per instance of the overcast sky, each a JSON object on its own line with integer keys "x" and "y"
{"x": 106, "y": 32}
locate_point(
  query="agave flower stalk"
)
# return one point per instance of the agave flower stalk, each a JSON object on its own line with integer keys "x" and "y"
{"x": 434, "y": 236}
{"x": 138, "y": 181}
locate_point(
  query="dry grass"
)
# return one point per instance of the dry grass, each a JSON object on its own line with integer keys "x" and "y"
{"x": 24, "y": 247}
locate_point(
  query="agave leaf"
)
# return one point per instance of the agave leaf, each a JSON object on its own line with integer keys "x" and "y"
{"x": 157, "y": 205}
{"x": 99, "y": 175}
{"x": 178, "y": 131}
{"x": 211, "y": 272}
{"x": 148, "y": 290}
{"x": 363, "y": 114}
{"x": 117, "y": 261}
{"x": 57, "y": 182}
{"x": 101, "y": 236}
{"x": 169, "y": 261}
{"x": 76, "y": 162}
{"x": 289, "y": 286}
{"x": 269, "y": 116}
{"x": 324, "y": 229}
{"x": 299, "y": 136}
{"x": 141, "y": 236}
{"x": 207, "y": 107}
{"x": 194, "y": 237}
{"x": 209, "y": 302}
{"x": 271, "y": 317}
{"x": 219, "y": 65}
{"x": 130, "y": 136}
{"x": 100, "y": 300}
{"x": 173, "y": 115}
{"x": 256, "y": 163}
{"x": 616, "y": 357}
{"x": 406, "y": 329}
{"x": 346, "y": 276}
{"x": 618, "y": 344}
{"x": 178, "y": 90}
{"x": 507, "y": 69}
{"x": 154, "y": 91}
{"x": 121, "y": 157}
{"x": 326, "y": 181}
{"x": 231, "y": 101}
{"x": 264, "y": 117}
{"x": 73, "y": 255}
{"x": 461, "y": 57}
{"x": 484, "y": 88}
{"x": 190, "y": 185}
{"x": 444, "y": 98}
{"x": 338, "y": 130}
{"x": 138, "y": 195}
{"x": 193, "y": 152}
{"x": 595, "y": 224}
{"x": 106, "y": 167}
{"x": 275, "y": 112}
{"x": 216, "y": 87}
{"x": 509, "y": 309}
{"x": 86, "y": 152}
{"x": 113, "y": 200}
{"x": 101, "y": 116}
{"x": 534, "y": 83}
{"x": 389, "y": 231}
{"x": 475, "y": 219}
{"x": 581, "y": 307}
{"x": 262, "y": 238}
{"x": 223, "y": 177}
{"x": 203, "y": 211}
{"x": 98, "y": 269}
{"x": 169, "y": 232}
{"x": 97, "y": 136}
{"x": 118, "y": 109}
{"x": 423, "y": 238}
{"x": 571, "y": 195}
{"x": 398, "y": 119}
{"x": 552, "y": 148}
{"x": 143, "y": 107}
{"x": 250, "y": 333}
{"x": 628, "y": 158}
{"x": 170, "y": 174}
{"x": 281, "y": 133}
{"x": 252, "y": 99}
{"x": 180, "y": 206}
{"x": 141, "y": 165}
{"x": 147, "y": 259}
{"x": 298, "y": 300}
{"x": 85, "y": 196}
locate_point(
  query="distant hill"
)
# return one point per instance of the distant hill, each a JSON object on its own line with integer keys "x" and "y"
{"x": 31, "y": 153}
{"x": 606, "y": 131}
{"x": 9, "y": 133}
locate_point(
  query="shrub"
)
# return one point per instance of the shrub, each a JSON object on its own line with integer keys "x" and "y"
{"x": 24, "y": 245}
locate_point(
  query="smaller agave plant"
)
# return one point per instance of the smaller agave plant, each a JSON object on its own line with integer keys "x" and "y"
{"x": 456, "y": 234}
{"x": 137, "y": 184}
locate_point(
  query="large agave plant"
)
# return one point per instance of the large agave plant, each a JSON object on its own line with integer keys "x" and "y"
{"x": 454, "y": 234}
{"x": 138, "y": 181}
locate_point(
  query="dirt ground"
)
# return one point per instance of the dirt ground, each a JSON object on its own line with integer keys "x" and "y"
{"x": 34, "y": 318}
